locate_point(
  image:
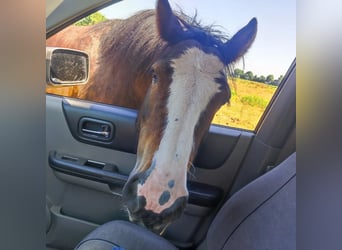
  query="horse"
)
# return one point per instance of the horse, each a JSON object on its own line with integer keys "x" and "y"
{"x": 173, "y": 71}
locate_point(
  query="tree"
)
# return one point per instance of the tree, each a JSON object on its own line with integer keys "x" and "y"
{"x": 238, "y": 73}
{"x": 96, "y": 17}
{"x": 262, "y": 79}
{"x": 269, "y": 79}
{"x": 280, "y": 78}
{"x": 248, "y": 75}
{"x": 259, "y": 78}
{"x": 278, "y": 81}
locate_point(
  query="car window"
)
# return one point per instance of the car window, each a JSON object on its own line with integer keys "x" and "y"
{"x": 255, "y": 78}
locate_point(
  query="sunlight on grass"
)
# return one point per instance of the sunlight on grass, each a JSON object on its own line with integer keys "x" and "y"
{"x": 248, "y": 102}
{"x": 254, "y": 101}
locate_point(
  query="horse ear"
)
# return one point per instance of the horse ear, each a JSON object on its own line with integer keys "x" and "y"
{"x": 238, "y": 45}
{"x": 168, "y": 25}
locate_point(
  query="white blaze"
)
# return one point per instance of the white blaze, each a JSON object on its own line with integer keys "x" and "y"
{"x": 193, "y": 86}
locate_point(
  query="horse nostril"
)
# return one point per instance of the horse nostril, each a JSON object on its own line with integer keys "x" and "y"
{"x": 129, "y": 195}
{"x": 130, "y": 187}
{"x": 159, "y": 222}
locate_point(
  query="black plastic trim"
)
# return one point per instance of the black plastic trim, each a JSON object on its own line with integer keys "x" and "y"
{"x": 199, "y": 194}
{"x": 80, "y": 167}
{"x": 203, "y": 194}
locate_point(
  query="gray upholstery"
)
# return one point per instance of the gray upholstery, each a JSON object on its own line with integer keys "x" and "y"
{"x": 262, "y": 215}
{"x": 123, "y": 235}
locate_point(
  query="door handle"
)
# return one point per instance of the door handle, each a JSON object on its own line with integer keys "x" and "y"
{"x": 95, "y": 129}
{"x": 101, "y": 133}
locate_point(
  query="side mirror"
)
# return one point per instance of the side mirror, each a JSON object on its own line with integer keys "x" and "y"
{"x": 65, "y": 67}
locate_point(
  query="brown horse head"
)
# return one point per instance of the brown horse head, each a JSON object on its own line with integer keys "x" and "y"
{"x": 188, "y": 85}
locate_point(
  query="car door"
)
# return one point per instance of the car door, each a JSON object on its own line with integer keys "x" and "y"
{"x": 91, "y": 149}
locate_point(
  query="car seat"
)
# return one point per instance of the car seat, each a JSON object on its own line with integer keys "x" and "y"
{"x": 262, "y": 215}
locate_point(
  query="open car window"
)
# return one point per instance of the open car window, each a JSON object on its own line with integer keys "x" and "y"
{"x": 254, "y": 79}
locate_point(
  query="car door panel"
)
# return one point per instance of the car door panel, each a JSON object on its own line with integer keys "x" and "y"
{"x": 210, "y": 155}
{"x": 84, "y": 201}
{"x": 124, "y": 136}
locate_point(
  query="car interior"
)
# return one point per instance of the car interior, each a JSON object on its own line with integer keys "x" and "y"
{"x": 242, "y": 188}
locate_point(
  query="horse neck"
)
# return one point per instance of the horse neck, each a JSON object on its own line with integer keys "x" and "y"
{"x": 131, "y": 47}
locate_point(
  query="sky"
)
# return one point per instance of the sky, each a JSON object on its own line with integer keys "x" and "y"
{"x": 274, "y": 48}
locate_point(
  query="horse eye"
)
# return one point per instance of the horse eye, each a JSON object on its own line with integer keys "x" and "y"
{"x": 154, "y": 78}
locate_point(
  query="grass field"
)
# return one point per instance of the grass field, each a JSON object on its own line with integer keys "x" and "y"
{"x": 248, "y": 102}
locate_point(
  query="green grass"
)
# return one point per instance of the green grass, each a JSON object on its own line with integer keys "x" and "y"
{"x": 247, "y": 104}
{"x": 254, "y": 101}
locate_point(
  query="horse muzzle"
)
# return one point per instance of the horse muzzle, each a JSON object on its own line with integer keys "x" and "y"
{"x": 139, "y": 214}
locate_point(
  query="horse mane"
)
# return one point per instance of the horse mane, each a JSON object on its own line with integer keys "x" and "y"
{"x": 208, "y": 35}
{"x": 134, "y": 43}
